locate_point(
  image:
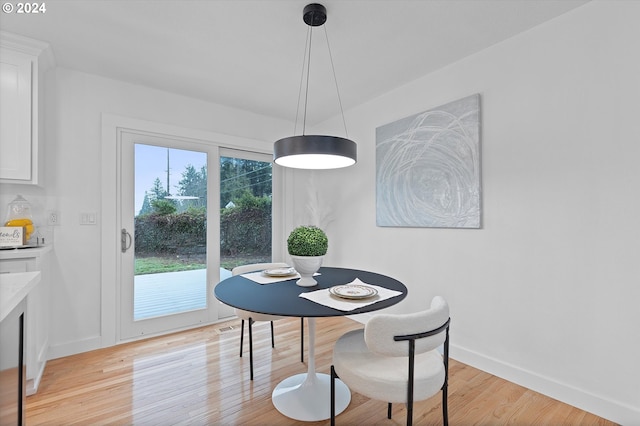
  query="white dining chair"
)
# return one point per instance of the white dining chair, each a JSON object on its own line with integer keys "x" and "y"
{"x": 395, "y": 358}
{"x": 252, "y": 317}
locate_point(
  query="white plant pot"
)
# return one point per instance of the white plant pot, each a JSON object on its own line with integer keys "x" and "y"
{"x": 306, "y": 267}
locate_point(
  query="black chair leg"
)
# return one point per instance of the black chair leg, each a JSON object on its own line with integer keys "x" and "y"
{"x": 389, "y": 411}
{"x": 445, "y": 411}
{"x": 250, "y": 349}
{"x": 334, "y": 376}
{"x": 273, "y": 342}
{"x": 241, "y": 336}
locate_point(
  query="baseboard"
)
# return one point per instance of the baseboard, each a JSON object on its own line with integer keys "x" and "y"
{"x": 33, "y": 383}
{"x": 596, "y": 404}
{"x": 72, "y": 348}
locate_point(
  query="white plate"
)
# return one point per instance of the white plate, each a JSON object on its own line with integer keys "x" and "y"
{"x": 279, "y": 272}
{"x": 353, "y": 291}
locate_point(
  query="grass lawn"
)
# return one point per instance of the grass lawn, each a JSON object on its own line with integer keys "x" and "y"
{"x": 155, "y": 265}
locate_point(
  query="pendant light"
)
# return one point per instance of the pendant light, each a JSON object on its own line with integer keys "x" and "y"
{"x": 315, "y": 151}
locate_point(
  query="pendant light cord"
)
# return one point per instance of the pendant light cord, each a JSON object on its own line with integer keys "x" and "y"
{"x": 306, "y": 94}
{"x": 307, "y": 60}
{"x": 304, "y": 61}
{"x": 344, "y": 123}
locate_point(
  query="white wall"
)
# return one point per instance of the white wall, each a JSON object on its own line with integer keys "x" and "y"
{"x": 546, "y": 293}
{"x": 75, "y": 104}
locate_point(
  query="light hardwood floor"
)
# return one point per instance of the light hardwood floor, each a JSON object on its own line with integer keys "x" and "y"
{"x": 197, "y": 377}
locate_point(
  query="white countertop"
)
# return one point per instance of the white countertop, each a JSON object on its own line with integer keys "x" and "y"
{"x": 14, "y": 288}
{"x": 22, "y": 253}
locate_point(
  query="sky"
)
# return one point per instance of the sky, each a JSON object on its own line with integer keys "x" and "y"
{"x": 151, "y": 163}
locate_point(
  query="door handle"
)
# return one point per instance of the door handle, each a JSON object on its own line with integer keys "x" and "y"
{"x": 125, "y": 240}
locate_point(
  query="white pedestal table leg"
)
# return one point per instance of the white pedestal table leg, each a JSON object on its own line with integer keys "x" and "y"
{"x": 307, "y": 396}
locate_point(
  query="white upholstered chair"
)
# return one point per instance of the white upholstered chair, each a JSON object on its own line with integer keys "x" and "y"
{"x": 395, "y": 358}
{"x": 252, "y": 317}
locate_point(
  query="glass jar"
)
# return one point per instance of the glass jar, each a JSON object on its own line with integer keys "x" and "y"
{"x": 19, "y": 214}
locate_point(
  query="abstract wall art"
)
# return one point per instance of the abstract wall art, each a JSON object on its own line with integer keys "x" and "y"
{"x": 428, "y": 168}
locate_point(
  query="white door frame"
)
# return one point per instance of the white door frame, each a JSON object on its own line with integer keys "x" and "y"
{"x": 112, "y": 127}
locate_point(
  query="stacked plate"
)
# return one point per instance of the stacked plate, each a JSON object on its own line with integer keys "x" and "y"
{"x": 279, "y": 272}
{"x": 353, "y": 291}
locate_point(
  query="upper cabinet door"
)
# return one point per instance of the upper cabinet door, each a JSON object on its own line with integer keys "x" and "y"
{"x": 23, "y": 63}
{"x": 16, "y": 103}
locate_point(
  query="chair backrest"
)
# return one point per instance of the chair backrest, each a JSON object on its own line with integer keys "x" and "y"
{"x": 253, "y": 267}
{"x": 381, "y": 329}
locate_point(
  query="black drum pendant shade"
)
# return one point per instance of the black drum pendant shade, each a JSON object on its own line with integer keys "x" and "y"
{"x": 315, "y": 151}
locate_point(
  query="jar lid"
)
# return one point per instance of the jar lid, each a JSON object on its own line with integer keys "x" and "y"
{"x": 19, "y": 208}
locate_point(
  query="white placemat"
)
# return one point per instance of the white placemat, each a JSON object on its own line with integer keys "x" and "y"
{"x": 325, "y": 298}
{"x": 261, "y": 278}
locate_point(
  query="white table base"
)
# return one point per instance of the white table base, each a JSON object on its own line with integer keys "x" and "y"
{"x": 307, "y": 396}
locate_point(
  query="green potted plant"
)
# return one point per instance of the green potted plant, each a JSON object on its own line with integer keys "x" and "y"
{"x": 307, "y": 246}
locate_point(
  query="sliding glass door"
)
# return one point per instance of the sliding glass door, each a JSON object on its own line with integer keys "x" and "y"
{"x": 189, "y": 213}
{"x": 164, "y": 238}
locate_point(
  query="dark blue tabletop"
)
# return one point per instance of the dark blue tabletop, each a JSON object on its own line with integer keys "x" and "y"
{"x": 282, "y": 298}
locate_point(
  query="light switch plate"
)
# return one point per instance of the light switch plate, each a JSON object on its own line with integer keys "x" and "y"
{"x": 88, "y": 218}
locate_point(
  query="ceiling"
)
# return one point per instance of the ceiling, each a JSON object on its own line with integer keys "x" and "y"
{"x": 248, "y": 54}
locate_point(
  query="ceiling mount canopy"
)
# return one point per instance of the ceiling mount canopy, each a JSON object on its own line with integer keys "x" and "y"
{"x": 314, "y": 14}
{"x": 315, "y": 151}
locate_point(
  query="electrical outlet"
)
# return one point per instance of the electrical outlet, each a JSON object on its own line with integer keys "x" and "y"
{"x": 53, "y": 217}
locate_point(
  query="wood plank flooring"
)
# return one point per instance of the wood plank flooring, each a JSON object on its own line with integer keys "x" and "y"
{"x": 196, "y": 377}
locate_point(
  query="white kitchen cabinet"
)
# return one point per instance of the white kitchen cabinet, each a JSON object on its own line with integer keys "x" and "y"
{"x": 22, "y": 65}
{"x": 38, "y": 312}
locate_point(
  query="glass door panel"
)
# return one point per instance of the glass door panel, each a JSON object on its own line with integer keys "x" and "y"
{"x": 245, "y": 211}
{"x": 170, "y": 231}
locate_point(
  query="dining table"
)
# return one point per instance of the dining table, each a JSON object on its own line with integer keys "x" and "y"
{"x": 339, "y": 292}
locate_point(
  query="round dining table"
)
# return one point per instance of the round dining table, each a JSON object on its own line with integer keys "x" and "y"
{"x": 306, "y": 396}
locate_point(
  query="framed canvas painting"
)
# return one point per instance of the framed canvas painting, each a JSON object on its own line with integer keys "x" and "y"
{"x": 428, "y": 168}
